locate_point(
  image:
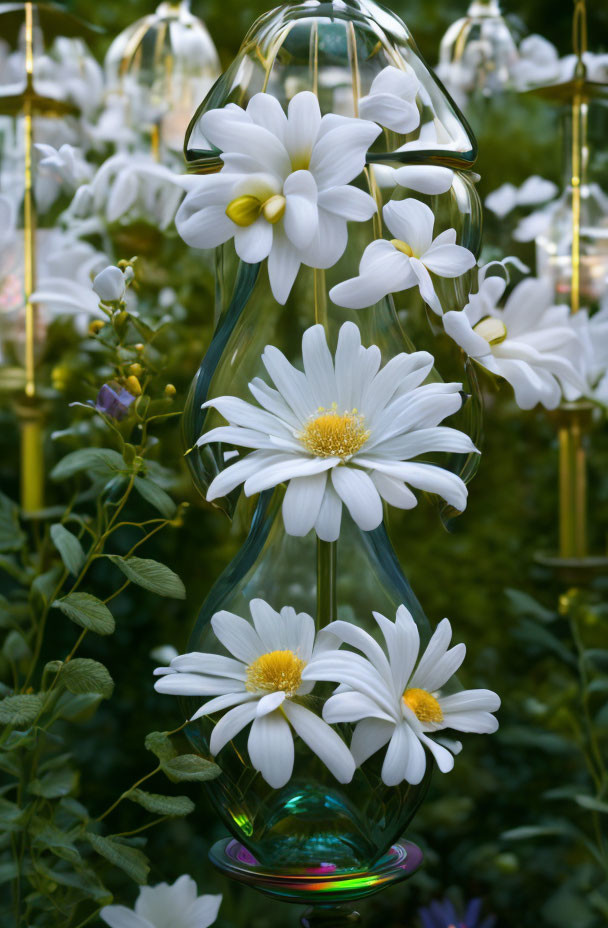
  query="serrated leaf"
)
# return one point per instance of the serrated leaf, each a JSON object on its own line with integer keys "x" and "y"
{"x": 88, "y": 612}
{"x": 190, "y": 767}
{"x": 69, "y": 548}
{"x": 55, "y": 784}
{"x": 593, "y": 804}
{"x": 160, "y": 744}
{"x": 99, "y": 461}
{"x": 20, "y": 710}
{"x": 151, "y": 575}
{"x": 49, "y": 837}
{"x": 162, "y": 805}
{"x": 156, "y": 496}
{"x": 83, "y": 675}
{"x": 133, "y": 861}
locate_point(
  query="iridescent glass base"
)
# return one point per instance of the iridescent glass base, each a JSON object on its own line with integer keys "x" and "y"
{"x": 325, "y": 885}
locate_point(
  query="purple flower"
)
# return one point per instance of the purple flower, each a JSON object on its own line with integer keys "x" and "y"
{"x": 444, "y": 915}
{"x": 114, "y": 403}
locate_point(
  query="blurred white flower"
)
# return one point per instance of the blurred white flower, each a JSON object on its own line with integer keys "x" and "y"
{"x": 392, "y": 701}
{"x": 131, "y": 187}
{"x": 593, "y": 334}
{"x": 284, "y": 191}
{"x": 341, "y": 432}
{"x": 538, "y": 63}
{"x": 507, "y": 197}
{"x": 166, "y": 906}
{"x": 529, "y": 343}
{"x": 391, "y": 101}
{"x": 405, "y": 261}
{"x": 62, "y": 169}
{"x": 260, "y": 687}
{"x": 110, "y": 284}
{"x": 164, "y": 653}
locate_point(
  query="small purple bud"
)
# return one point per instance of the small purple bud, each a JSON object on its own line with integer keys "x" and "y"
{"x": 114, "y": 403}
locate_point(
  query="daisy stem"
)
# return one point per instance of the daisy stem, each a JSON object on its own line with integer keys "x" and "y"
{"x": 326, "y": 582}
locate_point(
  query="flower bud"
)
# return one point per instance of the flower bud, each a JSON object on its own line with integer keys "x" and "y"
{"x": 133, "y": 385}
{"x": 136, "y": 369}
{"x": 109, "y": 284}
{"x": 170, "y": 390}
{"x": 96, "y": 326}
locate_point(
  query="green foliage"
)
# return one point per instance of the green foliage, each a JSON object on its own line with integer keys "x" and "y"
{"x": 87, "y": 611}
{"x": 189, "y": 767}
{"x": 157, "y": 578}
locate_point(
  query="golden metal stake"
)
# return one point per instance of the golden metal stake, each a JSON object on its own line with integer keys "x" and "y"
{"x": 32, "y": 465}
{"x": 574, "y": 419}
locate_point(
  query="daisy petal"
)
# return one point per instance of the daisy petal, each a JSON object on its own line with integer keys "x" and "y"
{"x": 271, "y": 749}
{"x": 358, "y": 493}
{"x": 322, "y": 741}
{"x": 368, "y": 737}
{"x": 230, "y": 725}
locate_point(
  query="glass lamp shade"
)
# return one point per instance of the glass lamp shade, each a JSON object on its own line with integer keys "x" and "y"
{"x": 572, "y": 250}
{"x": 477, "y": 53}
{"x": 334, "y": 50}
{"x": 163, "y": 64}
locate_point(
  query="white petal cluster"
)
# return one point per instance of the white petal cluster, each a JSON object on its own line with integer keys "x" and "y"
{"x": 592, "y": 332}
{"x": 391, "y": 101}
{"x": 284, "y": 191}
{"x": 394, "y": 699}
{"x": 110, "y": 284}
{"x": 405, "y": 261}
{"x": 62, "y": 169}
{"x": 342, "y": 431}
{"x": 177, "y": 905}
{"x": 530, "y": 343}
{"x": 261, "y": 685}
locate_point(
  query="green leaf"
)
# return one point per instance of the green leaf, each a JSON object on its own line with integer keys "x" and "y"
{"x": 524, "y": 604}
{"x": 156, "y": 496}
{"x": 190, "y": 767}
{"x": 595, "y": 805}
{"x": 83, "y": 675}
{"x": 525, "y": 832}
{"x": 162, "y": 805}
{"x": 85, "y": 880}
{"x": 8, "y": 871}
{"x": 49, "y": 837}
{"x": 99, "y": 461}
{"x": 69, "y": 548}
{"x": 20, "y": 710}
{"x": 88, "y": 612}
{"x": 45, "y": 584}
{"x": 11, "y": 536}
{"x": 15, "y": 647}
{"x": 55, "y": 784}
{"x": 153, "y": 576}
{"x": 160, "y": 744}
{"x": 77, "y": 707}
{"x": 133, "y": 861}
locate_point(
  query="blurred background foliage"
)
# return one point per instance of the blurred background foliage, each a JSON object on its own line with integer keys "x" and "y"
{"x": 481, "y": 572}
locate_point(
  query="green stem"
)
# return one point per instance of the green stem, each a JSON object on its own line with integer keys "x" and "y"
{"x": 126, "y": 793}
{"x": 136, "y": 831}
{"x": 327, "y": 552}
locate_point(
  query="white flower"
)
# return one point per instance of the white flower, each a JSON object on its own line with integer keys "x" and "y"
{"x": 507, "y": 197}
{"x": 538, "y": 62}
{"x": 423, "y": 178}
{"x": 530, "y": 343}
{"x": 404, "y": 262}
{"x": 129, "y": 187}
{"x": 342, "y": 432}
{"x": 593, "y": 334}
{"x": 391, "y": 101}
{"x": 284, "y": 191}
{"x": 109, "y": 284}
{"x": 502, "y": 200}
{"x": 164, "y": 653}
{"x": 262, "y": 687}
{"x": 165, "y": 906}
{"x": 393, "y": 703}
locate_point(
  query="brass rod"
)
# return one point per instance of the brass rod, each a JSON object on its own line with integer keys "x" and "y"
{"x": 29, "y": 214}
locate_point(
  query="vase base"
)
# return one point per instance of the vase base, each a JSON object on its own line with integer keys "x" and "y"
{"x": 323, "y": 885}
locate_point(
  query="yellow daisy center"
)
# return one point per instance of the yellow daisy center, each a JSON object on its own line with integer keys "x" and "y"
{"x": 246, "y": 209}
{"x": 493, "y": 330}
{"x": 424, "y": 705}
{"x": 403, "y": 247}
{"x": 333, "y": 434}
{"x": 275, "y": 671}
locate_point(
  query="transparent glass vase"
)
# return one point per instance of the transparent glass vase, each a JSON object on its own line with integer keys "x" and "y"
{"x": 334, "y": 50}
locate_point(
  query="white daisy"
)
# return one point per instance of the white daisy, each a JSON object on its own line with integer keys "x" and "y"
{"x": 391, "y": 101}
{"x": 593, "y": 334}
{"x": 262, "y": 685}
{"x": 530, "y": 343}
{"x": 165, "y": 906}
{"x": 405, "y": 261}
{"x": 394, "y": 702}
{"x": 284, "y": 191}
{"x": 341, "y": 432}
